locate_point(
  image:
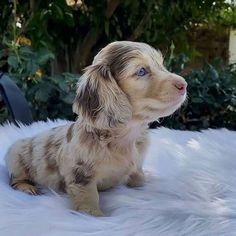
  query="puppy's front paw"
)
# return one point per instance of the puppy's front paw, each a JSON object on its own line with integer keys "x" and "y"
{"x": 85, "y": 198}
{"x": 91, "y": 211}
{"x": 136, "y": 179}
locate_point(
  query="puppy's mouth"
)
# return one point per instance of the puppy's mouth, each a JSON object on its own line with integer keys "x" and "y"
{"x": 178, "y": 100}
{"x": 155, "y": 108}
{"x": 169, "y": 101}
{"x": 167, "y": 106}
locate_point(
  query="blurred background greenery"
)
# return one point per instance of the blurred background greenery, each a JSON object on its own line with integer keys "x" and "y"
{"x": 44, "y": 45}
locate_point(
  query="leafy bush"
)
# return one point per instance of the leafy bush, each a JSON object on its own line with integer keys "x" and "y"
{"x": 211, "y": 97}
{"x": 48, "y": 96}
{"x": 75, "y": 35}
{"x": 51, "y": 97}
{"x": 29, "y": 64}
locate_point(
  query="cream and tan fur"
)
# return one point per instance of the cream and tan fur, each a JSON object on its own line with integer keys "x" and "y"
{"x": 106, "y": 144}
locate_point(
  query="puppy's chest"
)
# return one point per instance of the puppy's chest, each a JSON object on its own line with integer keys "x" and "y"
{"x": 116, "y": 166}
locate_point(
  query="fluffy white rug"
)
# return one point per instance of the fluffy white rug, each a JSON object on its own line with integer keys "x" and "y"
{"x": 191, "y": 190}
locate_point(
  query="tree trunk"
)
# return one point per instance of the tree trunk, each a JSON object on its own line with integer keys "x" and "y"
{"x": 84, "y": 49}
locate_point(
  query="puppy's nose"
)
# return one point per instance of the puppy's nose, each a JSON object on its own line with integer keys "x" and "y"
{"x": 181, "y": 85}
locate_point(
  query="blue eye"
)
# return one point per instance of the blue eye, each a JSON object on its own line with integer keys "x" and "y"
{"x": 141, "y": 72}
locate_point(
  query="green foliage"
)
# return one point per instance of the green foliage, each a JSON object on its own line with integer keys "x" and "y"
{"x": 78, "y": 33}
{"x": 28, "y": 63}
{"x": 51, "y": 97}
{"x": 25, "y": 63}
{"x": 211, "y": 97}
{"x": 48, "y": 96}
{"x": 41, "y": 40}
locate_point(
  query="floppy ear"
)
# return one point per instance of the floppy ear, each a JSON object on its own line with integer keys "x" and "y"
{"x": 99, "y": 99}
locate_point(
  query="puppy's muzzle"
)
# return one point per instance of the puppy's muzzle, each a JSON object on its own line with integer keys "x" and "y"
{"x": 181, "y": 86}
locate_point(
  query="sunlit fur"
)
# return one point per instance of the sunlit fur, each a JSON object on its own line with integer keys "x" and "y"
{"x": 107, "y": 143}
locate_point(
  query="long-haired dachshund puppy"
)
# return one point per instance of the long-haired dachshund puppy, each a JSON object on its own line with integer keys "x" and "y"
{"x": 124, "y": 89}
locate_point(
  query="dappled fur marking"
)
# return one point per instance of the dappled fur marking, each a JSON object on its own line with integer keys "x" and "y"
{"x": 102, "y": 134}
{"x": 89, "y": 101}
{"x": 83, "y": 173}
{"x": 25, "y": 157}
{"x": 121, "y": 54}
{"x": 69, "y": 134}
{"x": 50, "y": 151}
{"x": 62, "y": 185}
{"x": 51, "y": 165}
{"x": 87, "y": 138}
{"x": 26, "y": 164}
{"x": 30, "y": 148}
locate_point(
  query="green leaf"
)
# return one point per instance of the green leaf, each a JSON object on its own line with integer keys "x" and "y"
{"x": 107, "y": 28}
{"x": 12, "y": 61}
{"x": 69, "y": 20}
{"x": 31, "y": 67}
{"x": 119, "y": 32}
{"x": 2, "y": 53}
{"x": 63, "y": 86}
{"x": 44, "y": 13}
{"x": 42, "y": 95}
{"x": 212, "y": 73}
{"x": 57, "y": 11}
{"x": 44, "y": 56}
{"x": 69, "y": 98}
{"x": 2, "y": 63}
{"x": 197, "y": 100}
{"x": 26, "y": 51}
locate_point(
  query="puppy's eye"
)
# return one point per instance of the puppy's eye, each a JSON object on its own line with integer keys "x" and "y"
{"x": 141, "y": 72}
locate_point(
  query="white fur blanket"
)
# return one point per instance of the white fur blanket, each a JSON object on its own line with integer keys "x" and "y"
{"x": 190, "y": 190}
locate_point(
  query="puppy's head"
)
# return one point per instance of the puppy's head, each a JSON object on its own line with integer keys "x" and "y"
{"x": 127, "y": 80}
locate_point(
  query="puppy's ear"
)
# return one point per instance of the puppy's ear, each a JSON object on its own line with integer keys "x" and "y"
{"x": 99, "y": 98}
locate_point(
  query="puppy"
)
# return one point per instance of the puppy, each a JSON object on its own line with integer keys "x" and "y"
{"x": 124, "y": 89}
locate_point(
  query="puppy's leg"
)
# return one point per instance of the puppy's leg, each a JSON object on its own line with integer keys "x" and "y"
{"x": 18, "y": 160}
{"x": 136, "y": 179}
{"x": 24, "y": 185}
{"x": 82, "y": 187}
{"x": 20, "y": 180}
{"x": 85, "y": 198}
